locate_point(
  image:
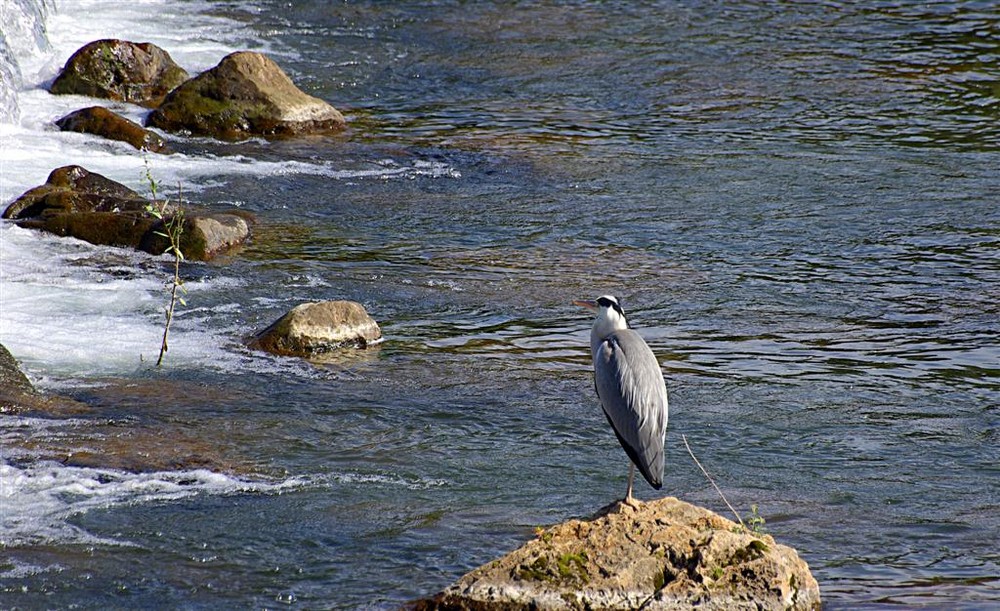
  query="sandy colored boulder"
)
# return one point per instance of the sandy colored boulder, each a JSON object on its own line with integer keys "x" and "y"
{"x": 140, "y": 73}
{"x": 245, "y": 95}
{"x": 667, "y": 554}
{"x": 102, "y": 122}
{"x": 317, "y": 327}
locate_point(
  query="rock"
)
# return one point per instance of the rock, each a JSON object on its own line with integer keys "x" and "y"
{"x": 12, "y": 379}
{"x": 140, "y": 73}
{"x": 102, "y": 122}
{"x": 18, "y": 395}
{"x": 88, "y": 206}
{"x": 204, "y": 237}
{"x": 220, "y": 232}
{"x": 314, "y": 328}
{"x": 667, "y": 554}
{"x": 246, "y": 95}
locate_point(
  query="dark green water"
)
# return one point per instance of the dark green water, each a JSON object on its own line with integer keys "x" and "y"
{"x": 798, "y": 204}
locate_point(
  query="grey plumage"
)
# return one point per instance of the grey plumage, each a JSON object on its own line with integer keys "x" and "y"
{"x": 630, "y": 385}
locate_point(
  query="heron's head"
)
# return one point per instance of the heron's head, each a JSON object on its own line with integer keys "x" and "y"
{"x": 609, "y": 311}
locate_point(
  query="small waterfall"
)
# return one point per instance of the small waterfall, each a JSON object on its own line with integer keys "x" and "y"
{"x": 22, "y": 35}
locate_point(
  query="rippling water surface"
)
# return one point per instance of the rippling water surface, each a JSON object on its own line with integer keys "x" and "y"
{"x": 798, "y": 204}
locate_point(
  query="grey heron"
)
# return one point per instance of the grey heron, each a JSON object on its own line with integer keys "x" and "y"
{"x": 630, "y": 385}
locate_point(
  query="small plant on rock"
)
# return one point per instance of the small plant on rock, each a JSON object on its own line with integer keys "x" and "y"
{"x": 756, "y": 522}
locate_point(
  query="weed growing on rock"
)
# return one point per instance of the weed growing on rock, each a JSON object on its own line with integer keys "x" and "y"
{"x": 756, "y": 522}
{"x": 173, "y": 229}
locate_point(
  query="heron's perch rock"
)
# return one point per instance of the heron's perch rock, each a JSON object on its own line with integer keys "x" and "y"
{"x": 667, "y": 554}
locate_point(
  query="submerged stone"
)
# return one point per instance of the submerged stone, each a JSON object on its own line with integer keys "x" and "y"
{"x": 140, "y": 73}
{"x": 665, "y": 554}
{"x": 318, "y": 327}
{"x": 245, "y": 95}
{"x": 102, "y": 122}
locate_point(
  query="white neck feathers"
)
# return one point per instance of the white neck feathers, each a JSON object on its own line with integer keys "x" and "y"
{"x": 608, "y": 321}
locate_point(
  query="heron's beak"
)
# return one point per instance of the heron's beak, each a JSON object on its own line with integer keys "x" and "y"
{"x": 590, "y": 305}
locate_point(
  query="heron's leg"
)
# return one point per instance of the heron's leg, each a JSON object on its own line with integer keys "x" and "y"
{"x": 629, "y": 499}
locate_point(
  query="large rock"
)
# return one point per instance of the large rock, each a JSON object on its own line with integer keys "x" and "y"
{"x": 311, "y": 329}
{"x": 88, "y": 206}
{"x": 102, "y": 122}
{"x": 667, "y": 554}
{"x": 140, "y": 73}
{"x": 246, "y": 95}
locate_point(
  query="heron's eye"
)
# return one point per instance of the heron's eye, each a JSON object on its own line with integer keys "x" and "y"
{"x": 607, "y": 303}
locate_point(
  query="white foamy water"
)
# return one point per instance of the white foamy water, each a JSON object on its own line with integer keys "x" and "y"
{"x": 60, "y": 314}
{"x": 69, "y": 310}
{"x": 38, "y": 499}
{"x": 74, "y": 310}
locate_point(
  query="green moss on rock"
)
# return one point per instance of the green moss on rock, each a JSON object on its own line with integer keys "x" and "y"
{"x": 245, "y": 95}
{"x": 140, "y": 73}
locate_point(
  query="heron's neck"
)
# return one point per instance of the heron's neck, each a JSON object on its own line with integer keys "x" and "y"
{"x": 607, "y": 322}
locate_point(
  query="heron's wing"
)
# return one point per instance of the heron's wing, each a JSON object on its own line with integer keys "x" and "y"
{"x": 634, "y": 397}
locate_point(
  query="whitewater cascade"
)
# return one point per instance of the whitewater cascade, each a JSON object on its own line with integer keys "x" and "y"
{"x": 22, "y": 35}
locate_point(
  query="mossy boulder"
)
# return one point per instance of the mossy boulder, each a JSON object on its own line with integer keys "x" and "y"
{"x": 102, "y": 122}
{"x": 85, "y": 205}
{"x": 664, "y": 554}
{"x": 245, "y": 95}
{"x": 311, "y": 329}
{"x": 139, "y": 73}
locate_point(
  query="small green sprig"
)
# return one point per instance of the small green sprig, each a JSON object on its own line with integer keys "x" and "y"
{"x": 173, "y": 229}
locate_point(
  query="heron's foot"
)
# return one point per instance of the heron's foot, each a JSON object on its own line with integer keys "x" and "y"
{"x": 632, "y": 502}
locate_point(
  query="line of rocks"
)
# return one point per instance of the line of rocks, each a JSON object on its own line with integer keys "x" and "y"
{"x": 245, "y": 95}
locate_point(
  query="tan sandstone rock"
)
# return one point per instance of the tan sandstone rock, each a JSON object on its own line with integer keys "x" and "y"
{"x": 313, "y": 328}
{"x": 667, "y": 554}
{"x": 246, "y": 95}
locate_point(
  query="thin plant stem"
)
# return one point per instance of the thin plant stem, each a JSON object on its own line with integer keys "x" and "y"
{"x": 172, "y": 231}
{"x": 170, "y": 308}
{"x": 738, "y": 519}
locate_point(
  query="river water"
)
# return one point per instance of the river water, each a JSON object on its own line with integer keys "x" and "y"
{"x": 797, "y": 203}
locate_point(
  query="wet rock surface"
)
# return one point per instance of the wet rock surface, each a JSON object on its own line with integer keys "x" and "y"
{"x": 18, "y": 394}
{"x": 85, "y": 205}
{"x": 96, "y": 436}
{"x": 665, "y": 554}
{"x": 315, "y": 328}
{"x": 102, "y": 122}
{"x": 139, "y": 73}
{"x": 246, "y": 94}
